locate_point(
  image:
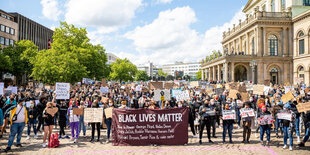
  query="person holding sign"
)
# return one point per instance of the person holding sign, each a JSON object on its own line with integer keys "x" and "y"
{"x": 62, "y": 119}
{"x": 95, "y": 124}
{"x": 82, "y": 125}
{"x": 246, "y": 114}
{"x": 48, "y": 122}
{"x": 307, "y": 127}
{"x": 9, "y": 105}
{"x": 74, "y": 122}
{"x": 265, "y": 122}
{"x": 205, "y": 121}
{"x": 108, "y": 117}
{"x": 228, "y": 125}
{"x": 288, "y": 125}
{"x": 32, "y": 115}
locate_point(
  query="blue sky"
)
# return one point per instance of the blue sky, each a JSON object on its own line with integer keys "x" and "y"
{"x": 160, "y": 31}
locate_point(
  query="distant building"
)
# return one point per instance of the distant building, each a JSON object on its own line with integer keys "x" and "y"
{"x": 31, "y": 30}
{"x": 8, "y": 29}
{"x": 150, "y": 69}
{"x": 179, "y": 67}
{"x": 111, "y": 58}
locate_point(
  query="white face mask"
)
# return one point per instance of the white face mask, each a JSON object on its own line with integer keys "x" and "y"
{"x": 110, "y": 104}
{"x": 179, "y": 106}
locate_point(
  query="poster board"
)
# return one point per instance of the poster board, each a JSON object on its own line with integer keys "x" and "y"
{"x": 265, "y": 119}
{"x": 78, "y": 111}
{"x": 104, "y": 90}
{"x": 194, "y": 84}
{"x": 138, "y": 88}
{"x": 182, "y": 95}
{"x": 233, "y": 93}
{"x": 287, "y": 97}
{"x": 303, "y": 107}
{"x": 62, "y": 91}
{"x": 13, "y": 89}
{"x": 156, "y": 85}
{"x": 159, "y": 93}
{"x": 284, "y": 116}
{"x": 219, "y": 91}
{"x": 247, "y": 112}
{"x": 168, "y": 85}
{"x": 258, "y": 89}
{"x": 245, "y": 96}
{"x": 1, "y": 88}
{"x": 108, "y": 112}
{"x": 93, "y": 115}
{"x": 288, "y": 88}
{"x": 52, "y": 111}
{"x": 229, "y": 114}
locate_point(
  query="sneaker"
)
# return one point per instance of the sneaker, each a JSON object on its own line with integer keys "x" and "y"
{"x": 231, "y": 142}
{"x": 301, "y": 144}
{"x": 195, "y": 136}
{"x": 233, "y": 131}
{"x": 107, "y": 141}
{"x": 285, "y": 146}
{"x": 239, "y": 127}
{"x": 91, "y": 140}
{"x": 214, "y": 137}
{"x": 256, "y": 135}
{"x": 267, "y": 144}
{"x": 243, "y": 141}
{"x": 28, "y": 137}
{"x": 59, "y": 137}
{"x": 67, "y": 137}
{"x": 75, "y": 140}
{"x": 291, "y": 148}
{"x": 210, "y": 141}
{"x": 262, "y": 143}
{"x": 298, "y": 139}
{"x": 200, "y": 142}
{"x": 7, "y": 149}
{"x": 35, "y": 136}
{"x": 44, "y": 145}
{"x": 19, "y": 145}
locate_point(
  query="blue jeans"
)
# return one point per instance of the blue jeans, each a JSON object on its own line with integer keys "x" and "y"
{"x": 108, "y": 122}
{"x": 16, "y": 128}
{"x": 276, "y": 125}
{"x": 32, "y": 122}
{"x": 263, "y": 129}
{"x": 82, "y": 124}
{"x": 297, "y": 121}
{"x": 238, "y": 117}
{"x": 287, "y": 134}
{"x": 229, "y": 128}
{"x": 307, "y": 135}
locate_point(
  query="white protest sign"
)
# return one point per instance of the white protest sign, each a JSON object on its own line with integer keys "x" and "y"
{"x": 266, "y": 90}
{"x": 182, "y": 95}
{"x": 104, "y": 90}
{"x": 288, "y": 89}
{"x": 159, "y": 93}
{"x": 265, "y": 119}
{"x": 92, "y": 115}
{"x": 1, "y": 88}
{"x": 229, "y": 114}
{"x": 210, "y": 112}
{"x": 37, "y": 102}
{"x": 28, "y": 104}
{"x": 138, "y": 88}
{"x": 62, "y": 90}
{"x": 247, "y": 112}
{"x": 284, "y": 116}
{"x": 14, "y": 89}
{"x": 175, "y": 92}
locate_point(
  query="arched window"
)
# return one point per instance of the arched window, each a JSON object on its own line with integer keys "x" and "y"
{"x": 273, "y": 45}
{"x": 301, "y": 72}
{"x": 301, "y": 43}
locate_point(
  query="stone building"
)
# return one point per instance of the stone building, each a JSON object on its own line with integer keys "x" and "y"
{"x": 8, "y": 29}
{"x": 261, "y": 48}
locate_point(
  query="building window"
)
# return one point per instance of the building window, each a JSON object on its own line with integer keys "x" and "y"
{"x": 273, "y": 45}
{"x": 283, "y": 4}
{"x": 12, "y": 32}
{"x": 306, "y": 2}
{"x": 301, "y": 72}
{"x": 2, "y": 28}
{"x": 3, "y": 15}
{"x": 2, "y": 40}
{"x": 7, "y": 42}
{"x": 301, "y": 43}
{"x": 273, "y": 6}
{"x": 7, "y": 29}
{"x": 12, "y": 42}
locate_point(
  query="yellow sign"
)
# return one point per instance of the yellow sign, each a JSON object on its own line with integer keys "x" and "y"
{"x": 162, "y": 98}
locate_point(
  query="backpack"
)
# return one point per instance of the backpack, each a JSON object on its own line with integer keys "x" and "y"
{"x": 53, "y": 142}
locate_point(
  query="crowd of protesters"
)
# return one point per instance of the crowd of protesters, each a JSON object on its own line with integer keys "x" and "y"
{"x": 29, "y": 108}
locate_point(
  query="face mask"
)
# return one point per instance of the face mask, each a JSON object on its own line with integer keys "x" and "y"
{"x": 190, "y": 102}
{"x": 110, "y": 104}
{"x": 179, "y": 106}
{"x": 24, "y": 104}
{"x": 3, "y": 100}
{"x": 264, "y": 109}
{"x": 251, "y": 99}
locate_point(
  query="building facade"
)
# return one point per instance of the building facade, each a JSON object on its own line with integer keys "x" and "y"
{"x": 111, "y": 58}
{"x": 261, "y": 48}
{"x": 150, "y": 69}
{"x": 8, "y": 29}
{"x": 189, "y": 69}
{"x": 31, "y": 30}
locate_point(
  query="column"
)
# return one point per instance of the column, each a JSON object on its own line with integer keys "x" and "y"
{"x": 202, "y": 75}
{"x": 253, "y": 73}
{"x": 226, "y": 72}
{"x": 219, "y": 73}
{"x": 260, "y": 73}
{"x": 260, "y": 42}
{"x": 209, "y": 70}
{"x": 232, "y": 68}
{"x": 213, "y": 75}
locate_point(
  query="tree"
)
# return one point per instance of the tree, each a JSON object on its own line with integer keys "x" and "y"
{"x": 21, "y": 55}
{"x": 161, "y": 73}
{"x": 141, "y": 76}
{"x": 5, "y": 63}
{"x": 123, "y": 70}
{"x": 198, "y": 74}
{"x": 71, "y": 58}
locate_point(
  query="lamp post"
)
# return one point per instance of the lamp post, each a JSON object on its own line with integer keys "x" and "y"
{"x": 253, "y": 64}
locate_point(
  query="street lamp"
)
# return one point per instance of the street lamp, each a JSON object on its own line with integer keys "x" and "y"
{"x": 253, "y": 64}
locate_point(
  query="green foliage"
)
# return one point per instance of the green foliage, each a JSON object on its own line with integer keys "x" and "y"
{"x": 123, "y": 70}
{"x": 141, "y": 76}
{"x": 213, "y": 56}
{"x": 198, "y": 74}
{"x": 5, "y": 63}
{"x": 161, "y": 73}
{"x": 20, "y": 56}
{"x": 71, "y": 58}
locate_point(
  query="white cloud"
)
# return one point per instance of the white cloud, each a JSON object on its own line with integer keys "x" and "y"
{"x": 164, "y": 1}
{"x": 50, "y": 9}
{"x": 105, "y": 15}
{"x": 170, "y": 38}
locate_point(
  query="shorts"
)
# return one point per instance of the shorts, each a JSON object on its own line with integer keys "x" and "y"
{"x": 48, "y": 122}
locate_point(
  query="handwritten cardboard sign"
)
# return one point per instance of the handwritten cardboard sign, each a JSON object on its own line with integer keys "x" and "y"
{"x": 219, "y": 91}
{"x": 78, "y": 111}
{"x": 182, "y": 95}
{"x": 108, "y": 112}
{"x": 156, "y": 85}
{"x": 247, "y": 112}
{"x": 62, "y": 90}
{"x": 244, "y": 96}
{"x": 104, "y": 90}
{"x": 93, "y": 115}
{"x": 168, "y": 85}
{"x": 265, "y": 119}
{"x": 258, "y": 89}
{"x": 52, "y": 111}
{"x": 284, "y": 116}
{"x": 233, "y": 93}
{"x": 303, "y": 107}
{"x": 229, "y": 114}
{"x": 165, "y": 93}
{"x": 287, "y": 97}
